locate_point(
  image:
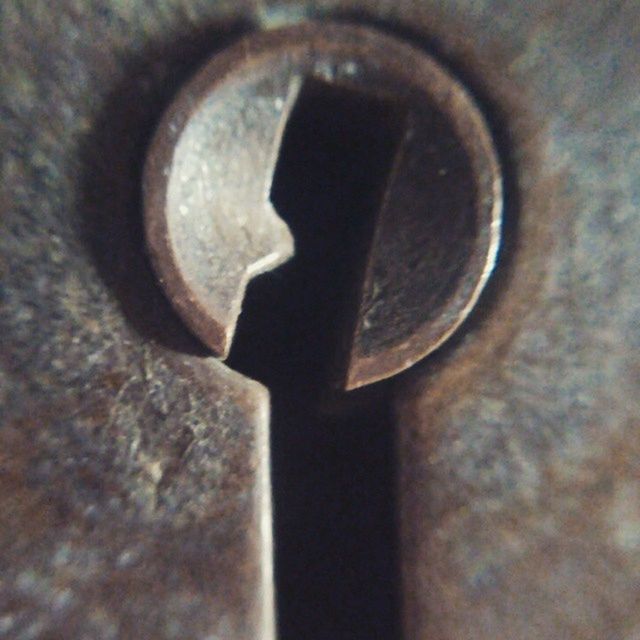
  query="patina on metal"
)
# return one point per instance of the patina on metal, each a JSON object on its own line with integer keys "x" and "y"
{"x": 211, "y": 225}
{"x": 130, "y": 460}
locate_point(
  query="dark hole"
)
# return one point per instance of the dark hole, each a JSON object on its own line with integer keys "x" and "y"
{"x": 333, "y": 461}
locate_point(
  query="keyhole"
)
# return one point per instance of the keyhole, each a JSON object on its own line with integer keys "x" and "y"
{"x": 332, "y": 453}
{"x": 388, "y": 180}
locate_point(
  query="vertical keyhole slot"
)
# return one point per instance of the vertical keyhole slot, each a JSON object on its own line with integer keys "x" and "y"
{"x": 333, "y": 466}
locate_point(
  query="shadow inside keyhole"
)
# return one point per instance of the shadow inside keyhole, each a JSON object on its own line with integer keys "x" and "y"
{"x": 332, "y": 453}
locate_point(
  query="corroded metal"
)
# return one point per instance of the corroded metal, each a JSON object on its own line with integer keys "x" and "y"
{"x": 211, "y": 225}
{"x": 125, "y": 477}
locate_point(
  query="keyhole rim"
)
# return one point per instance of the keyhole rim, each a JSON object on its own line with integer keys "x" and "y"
{"x": 296, "y": 43}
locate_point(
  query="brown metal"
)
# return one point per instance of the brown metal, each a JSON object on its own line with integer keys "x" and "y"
{"x": 130, "y": 479}
{"x": 211, "y": 225}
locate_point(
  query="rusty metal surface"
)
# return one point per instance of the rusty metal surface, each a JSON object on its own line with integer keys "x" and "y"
{"x": 134, "y": 490}
{"x": 210, "y": 217}
{"x": 520, "y": 467}
{"x": 519, "y": 483}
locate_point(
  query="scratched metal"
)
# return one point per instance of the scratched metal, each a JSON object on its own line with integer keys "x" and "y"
{"x": 520, "y": 481}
